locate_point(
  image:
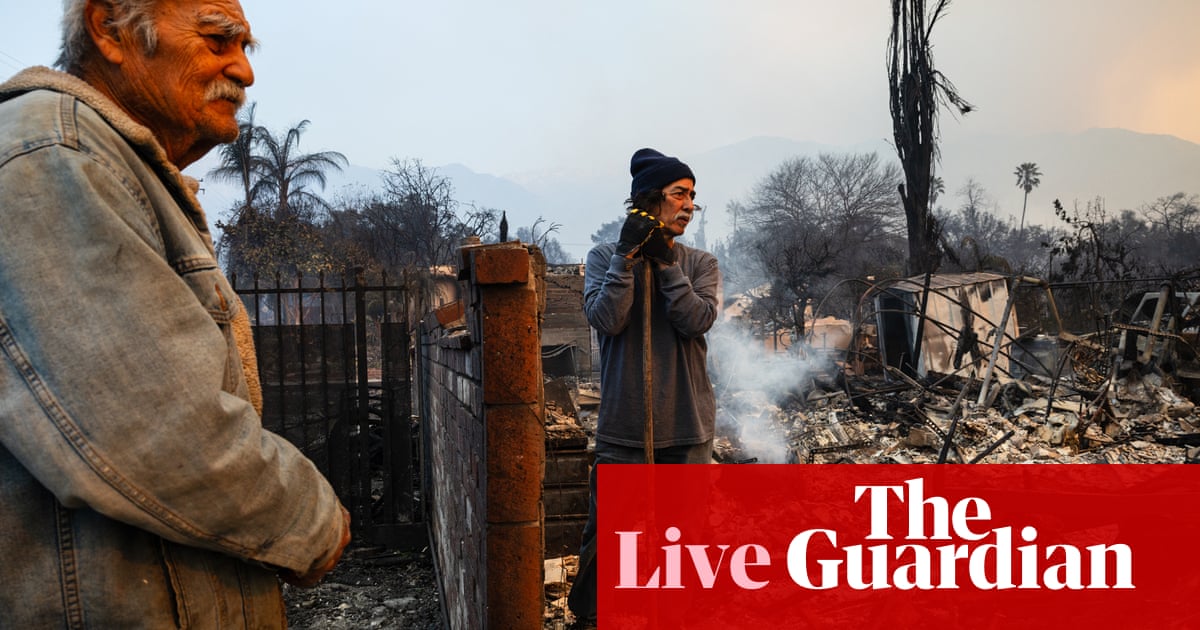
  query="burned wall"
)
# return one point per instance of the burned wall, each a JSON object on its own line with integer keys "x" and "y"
{"x": 962, "y": 312}
{"x": 566, "y": 335}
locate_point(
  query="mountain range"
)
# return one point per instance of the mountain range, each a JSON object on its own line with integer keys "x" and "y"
{"x": 1125, "y": 168}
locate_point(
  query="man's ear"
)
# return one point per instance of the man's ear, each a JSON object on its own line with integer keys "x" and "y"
{"x": 99, "y": 18}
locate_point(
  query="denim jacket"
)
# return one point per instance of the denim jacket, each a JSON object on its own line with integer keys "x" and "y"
{"x": 138, "y": 488}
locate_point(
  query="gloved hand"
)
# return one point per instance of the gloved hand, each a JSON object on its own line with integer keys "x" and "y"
{"x": 658, "y": 249}
{"x": 639, "y": 224}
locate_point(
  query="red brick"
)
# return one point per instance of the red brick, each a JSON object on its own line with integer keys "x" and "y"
{"x": 514, "y": 568}
{"x": 449, "y": 313}
{"x": 516, "y": 463}
{"x": 512, "y": 353}
{"x": 504, "y": 265}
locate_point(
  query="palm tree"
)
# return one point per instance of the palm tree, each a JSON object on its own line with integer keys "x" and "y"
{"x": 271, "y": 171}
{"x": 1028, "y": 178}
{"x": 937, "y": 187}
{"x": 237, "y": 157}
{"x": 284, "y": 173}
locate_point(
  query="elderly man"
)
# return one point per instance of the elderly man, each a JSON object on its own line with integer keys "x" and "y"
{"x": 139, "y": 489}
{"x": 684, "y": 291}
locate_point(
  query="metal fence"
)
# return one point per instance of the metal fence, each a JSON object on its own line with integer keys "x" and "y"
{"x": 334, "y": 361}
{"x": 1090, "y": 307}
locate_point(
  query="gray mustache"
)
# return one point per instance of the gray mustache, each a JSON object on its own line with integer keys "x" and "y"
{"x": 227, "y": 90}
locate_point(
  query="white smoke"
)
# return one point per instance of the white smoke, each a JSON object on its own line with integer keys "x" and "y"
{"x": 752, "y": 383}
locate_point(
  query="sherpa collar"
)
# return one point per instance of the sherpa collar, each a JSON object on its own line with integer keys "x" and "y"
{"x": 43, "y": 78}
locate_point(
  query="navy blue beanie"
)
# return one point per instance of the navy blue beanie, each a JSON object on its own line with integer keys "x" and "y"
{"x": 652, "y": 170}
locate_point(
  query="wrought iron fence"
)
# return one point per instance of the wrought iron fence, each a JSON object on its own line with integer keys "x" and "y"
{"x": 334, "y": 362}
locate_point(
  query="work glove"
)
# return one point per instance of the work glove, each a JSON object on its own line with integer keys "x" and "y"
{"x": 639, "y": 225}
{"x": 657, "y": 248}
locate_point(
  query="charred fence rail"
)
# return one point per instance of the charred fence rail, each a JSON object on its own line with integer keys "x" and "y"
{"x": 334, "y": 363}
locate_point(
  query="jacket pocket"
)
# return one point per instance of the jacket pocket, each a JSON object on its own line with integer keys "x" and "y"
{"x": 214, "y": 591}
{"x": 221, "y": 302}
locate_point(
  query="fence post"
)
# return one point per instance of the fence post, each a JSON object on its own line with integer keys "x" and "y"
{"x": 362, "y": 507}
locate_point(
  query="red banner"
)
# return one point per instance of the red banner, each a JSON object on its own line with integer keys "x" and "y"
{"x": 850, "y": 546}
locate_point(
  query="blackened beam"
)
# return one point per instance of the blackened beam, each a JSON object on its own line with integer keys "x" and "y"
{"x": 820, "y": 450}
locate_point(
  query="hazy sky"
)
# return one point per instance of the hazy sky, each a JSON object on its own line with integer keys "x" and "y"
{"x": 532, "y": 85}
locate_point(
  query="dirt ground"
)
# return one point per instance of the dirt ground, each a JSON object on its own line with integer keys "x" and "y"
{"x": 371, "y": 587}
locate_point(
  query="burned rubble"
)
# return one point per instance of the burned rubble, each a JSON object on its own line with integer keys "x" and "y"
{"x": 868, "y": 393}
{"x": 1137, "y": 422}
{"x": 1123, "y": 395}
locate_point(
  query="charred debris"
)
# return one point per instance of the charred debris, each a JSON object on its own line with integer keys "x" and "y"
{"x": 937, "y": 369}
{"x": 950, "y": 368}
{"x": 961, "y": 368}
{"x": 863, "y": 390}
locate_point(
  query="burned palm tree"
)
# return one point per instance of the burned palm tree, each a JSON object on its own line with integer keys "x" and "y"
{"x": 916, "y": 92}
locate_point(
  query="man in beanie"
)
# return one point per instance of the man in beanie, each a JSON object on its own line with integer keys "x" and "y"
{"x": 685, "y": 295}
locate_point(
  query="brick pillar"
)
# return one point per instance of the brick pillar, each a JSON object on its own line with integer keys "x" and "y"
{"x": 514, "y": 428}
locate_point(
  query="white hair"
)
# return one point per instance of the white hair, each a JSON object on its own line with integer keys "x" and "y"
{"x": 77, "y": 44}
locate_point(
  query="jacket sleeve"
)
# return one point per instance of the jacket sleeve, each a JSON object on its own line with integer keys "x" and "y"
{"x": 608, "y": 290}
{"x": 694, "y": 303}
{"x": 113, "y": 375}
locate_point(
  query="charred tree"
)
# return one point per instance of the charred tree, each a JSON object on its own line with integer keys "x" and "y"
{"x": 916, "y": 90}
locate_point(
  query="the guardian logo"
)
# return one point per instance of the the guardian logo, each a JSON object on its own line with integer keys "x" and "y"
{"x": 974, "y": 555}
